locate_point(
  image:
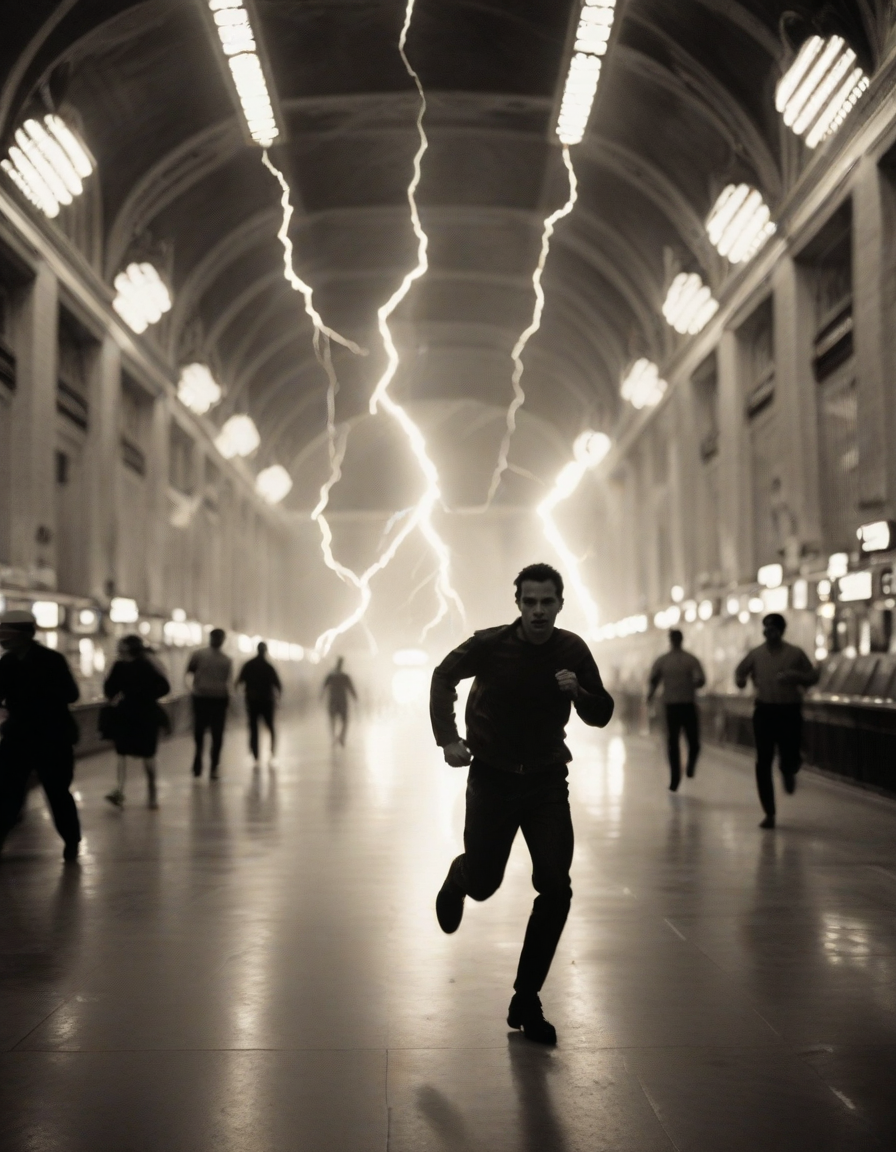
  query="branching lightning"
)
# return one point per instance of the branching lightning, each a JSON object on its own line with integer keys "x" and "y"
{"x": 588, "y": 451}
{"x": 519, "y": 395}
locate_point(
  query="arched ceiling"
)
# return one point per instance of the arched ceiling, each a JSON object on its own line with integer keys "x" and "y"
{"x": 686, "y": 104}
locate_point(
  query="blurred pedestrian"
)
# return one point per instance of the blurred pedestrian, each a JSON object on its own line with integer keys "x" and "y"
{"x": 208, "y": 677}
{"x": 39, "y": 733}
{"x": 680, "y": 674}
{"x": 780, "y": 672}
{"x": 337, "y": 688}
{"x": 136, "y": 683}
{"x": 263, "y": 688}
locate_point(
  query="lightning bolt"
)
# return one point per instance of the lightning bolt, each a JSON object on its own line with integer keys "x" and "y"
{"x": 519, "y": 395}
{"x": 588, "y": 451}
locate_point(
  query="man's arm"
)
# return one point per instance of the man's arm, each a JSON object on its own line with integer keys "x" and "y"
{"x": 656, "y": 675}
{"x": 351, "y": 688}
{"x": 743, "y": 670}
{"x": 458, "y": 665}
{"x": 592, "y": 701}
{"x": 805, "y": 673}
{"x": 242, "y": 676}
{"x": 699, "y": 674}
{"x": 68, "y": 685}
{"x": 189, "y": 671}
{"x": 275, "y": 680}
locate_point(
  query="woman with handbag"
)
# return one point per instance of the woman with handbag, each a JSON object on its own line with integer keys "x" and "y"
{"x": 135, "y": 684}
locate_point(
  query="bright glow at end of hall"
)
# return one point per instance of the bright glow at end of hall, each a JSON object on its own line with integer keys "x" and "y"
{"x": 689, "y": 304}
{"x": 238, "y": 437}
{"x": 197, "y": 389}
{"x": 592, "y": 36}
{"x": 141, "y": 296}
{"x": 739, "y": 223}
{"x": 47, "y": 163}
{"x": 239, "y": 46}
{"x": 820, "y": 88}
{"x": 643, "y": 387}
{"x": 273, "y": 484}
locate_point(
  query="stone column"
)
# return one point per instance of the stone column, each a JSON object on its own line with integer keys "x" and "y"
{"x": 735, "y": 489}
{"x": 33, "y": 519}
{"x": 101, "y": 467}
{"x": 157, "y": 501}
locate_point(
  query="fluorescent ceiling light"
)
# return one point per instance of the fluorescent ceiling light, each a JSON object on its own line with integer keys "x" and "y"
{"x": 239, "y": 46}
{"x": 238, "y": 437}
{"x": 198, "y": 389}
{"x": 771, "y": 575}
{"x": 855, "y": 586}
{"x": 820, "y": 88}
{"x": 123, "y": 610}
{"x": 142, "y": 299}
{"x": 739, "y": 223}
{"x": 46, "y": 613}
{"x": 273, "y": 484}
{"x": 642, "y": 386}
{"x": 48, "y": 163}
{"x": 878, "y": 536}
{"x": 689, "y": 304}
{"x": 592, "y": 37}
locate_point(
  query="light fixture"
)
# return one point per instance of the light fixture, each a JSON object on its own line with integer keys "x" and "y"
{"x": 704, "y": 609}
{"x": 855, "y": 586}
{"x": 123, "y": 610}
{"x": 879, "y": 536}
{"x": 820, "y": 88}
{"x": 739, "y": 223}
{"x": 142, "y": 298}
{"x": 667, "y": 617}
{"x": 690, "y": 611}
{"x": 801, "y": 594}
{"x": 273, "y": 484}
{"x": 46, "y": 613}
{"x": 732, "y": 605}
{"x": 677, "y": 593}
{"x": 238, "y": 437}
{"x": 48, "y": 163}
{"x": 756, "y": 604}
{"x": 629, "y": 626}
{"x": 744, "y": 616}
{"x": 838, "y": 565}
{"x": 771, "y": 575}
{"x": 592, "y": 37}
{"x": 239, "y": 46}
{"x": 775, "y": 599}
{"x": 642, "y": 386}
{"x": 689, "y": 304}
{"x": 197, "y": 389}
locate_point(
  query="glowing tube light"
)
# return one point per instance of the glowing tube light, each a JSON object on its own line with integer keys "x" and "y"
{"x": 273, "y": 484}
{"x": 142, "y": 299}
{"x": 592, "y": 37}
{"x": 239, "y": 46}
{"x": 739, "y": 223}
{"x": 689, "y": 304}
{"x": 48, "y": 163}
{"x": 238, "y": 437}
{"x": 197, "y": 389}
{"x": 820, "y": 88}
{"x": 588, "y": 451}
{"x": 642, "y": 386}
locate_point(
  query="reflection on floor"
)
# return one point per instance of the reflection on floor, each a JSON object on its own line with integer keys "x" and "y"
{"x": 257, "y": 967}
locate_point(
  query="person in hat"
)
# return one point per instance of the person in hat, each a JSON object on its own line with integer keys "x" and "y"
{"x": 39, "y": 733}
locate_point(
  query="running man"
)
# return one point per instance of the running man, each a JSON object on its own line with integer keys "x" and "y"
{"x": 262, "y": 686}
{"x": 780, "y": 672}
{"x": 527, "y": 676}
{"x": 337, "y": 688}
{"x": 681, "y": 674}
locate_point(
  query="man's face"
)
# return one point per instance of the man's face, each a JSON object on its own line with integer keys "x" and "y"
{"x": 14, "y": 639}
{"x": 539, "y": 604}
{"x": 772, "y": 634}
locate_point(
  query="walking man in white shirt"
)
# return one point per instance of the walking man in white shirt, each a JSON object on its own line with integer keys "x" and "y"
{"x": 780, "y": 672}
{"x": 209, "y": 672}
{"x": 681, "y": 674}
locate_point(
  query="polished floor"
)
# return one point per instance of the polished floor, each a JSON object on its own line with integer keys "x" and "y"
{"x": 256, "y": 967}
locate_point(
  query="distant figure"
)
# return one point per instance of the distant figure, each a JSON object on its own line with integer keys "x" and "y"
{"x": 780, "y": 672}
{"x": 681, "y": 674}
{"x": 337, "y": 688}
{"x": 528, "y": 675}
{"x": 262, "y": 687}
{"x": 39, "y": 733}
{"x": 210, "y": 670}
{"x": 136, "y": 683}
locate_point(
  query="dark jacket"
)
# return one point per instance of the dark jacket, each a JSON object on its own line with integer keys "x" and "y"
{"x": 516, "y": 714}
{"x": 261, "y": 680}
{"x": 36, "y": 690}
{"x": 137, "y": 716}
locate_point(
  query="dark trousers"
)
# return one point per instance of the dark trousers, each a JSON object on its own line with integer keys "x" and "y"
{"x": 209, "y": 712}
{"x": 499, "y": 803}
{"x": 682, "y": 717}
{"x": 260, "y": 710}
{"x": 340, "y": 713}
{"x": 54, "y": 764}
{"x": 776, "y": 726}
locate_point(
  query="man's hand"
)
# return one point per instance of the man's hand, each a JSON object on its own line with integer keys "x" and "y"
{"x": 458, "y": 755}
{"x": 567, "y": 682}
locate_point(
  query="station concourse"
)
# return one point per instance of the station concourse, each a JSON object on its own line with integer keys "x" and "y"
{"x": 320, "y": 323}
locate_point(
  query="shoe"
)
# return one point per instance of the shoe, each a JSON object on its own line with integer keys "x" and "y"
{"x": 449, "y": 906}
{"x": 116, "y": 797}
{"x": 525, "y": 1012}
{"x": 71, "y": 849}
{"x": 768, "y": 822}
{"x": 789, "y": 783}
{"x": 674, "y": 787}
{"x": 213, "y": 775}
{"x": 197, "y": 770}
{"x": 690, "y": 772}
